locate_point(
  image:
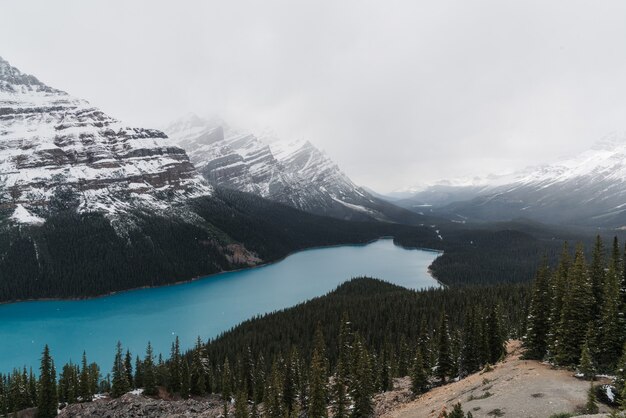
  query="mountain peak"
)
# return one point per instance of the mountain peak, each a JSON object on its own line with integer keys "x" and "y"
{"x": 56, "y": 147}
{"x": 610, "y": 142}
{"x": 12, "y": 79}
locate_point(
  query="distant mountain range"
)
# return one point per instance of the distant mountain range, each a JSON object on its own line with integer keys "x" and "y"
{"x": 586, "y": 190}
{"x": 295, "y": 173}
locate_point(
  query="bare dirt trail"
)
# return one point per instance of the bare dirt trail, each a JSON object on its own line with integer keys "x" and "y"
{"x": 515, "y": 388}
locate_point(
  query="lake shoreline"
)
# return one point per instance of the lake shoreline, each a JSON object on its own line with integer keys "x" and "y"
{"x": 213, "y": 275}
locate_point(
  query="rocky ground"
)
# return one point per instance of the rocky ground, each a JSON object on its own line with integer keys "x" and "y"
{"x": 136, "y": 405}
{"x": 515, "y": 388}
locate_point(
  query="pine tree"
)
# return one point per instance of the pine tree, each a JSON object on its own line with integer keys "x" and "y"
{"x": 597, "y": 275}
{"x": 175, "y": 367}
{"x": 227, "y": 382}
{"x": 138, "y": 378}
{"x": 536, "y": 338}
{"x": 361, "y": 388}
{"x": 591, "y": 407}
{"x": 120, "y": 384}
{"x": 128, "y": 367}
{"x": 47, "y": 397}
{"x": 345, "y": 346}
{"x": 84, "y": 387}
{"x": 339, "y": 393}
{"x": 185, "y": 380}
{"x": 419, "y": 376}
{"x": 241, "y": 404}
{"x": 620, "y": 372}
{"x": 610, "y": 331}
{"x": 577, "y": 311}
{"x": 289, "y": 381}
{"x": 318, "y": 391}
{"x": 445, "y": 365}
{"x": 94, "y": 377}
{"x": 274, "y": 407}
{"x": 259, "y": 380}
{"x": 586, "y": 364}
{"x": 149, "y": 373}
{"x": 558, "y": 284}
{"x": 495, "y": 335}
{"x": 198, "y": 380}
{"x": 470, "y": 351}
{"x": 457, "y": 412}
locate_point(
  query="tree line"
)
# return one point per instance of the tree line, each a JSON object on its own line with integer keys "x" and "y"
{"x": 577, "y": 314}
{"x": 339, "y": 369}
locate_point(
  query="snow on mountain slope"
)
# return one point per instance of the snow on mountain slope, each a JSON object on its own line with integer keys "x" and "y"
{"x": 57, "y": 147}
{"x": 295, "y": 173}
{"x": 588, "y": 189}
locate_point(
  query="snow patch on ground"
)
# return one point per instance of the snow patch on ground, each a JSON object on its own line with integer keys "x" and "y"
{"x": 21, "y": 215}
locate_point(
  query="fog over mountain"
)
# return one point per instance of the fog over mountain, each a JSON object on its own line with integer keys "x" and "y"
{"x": 397, "y": 93}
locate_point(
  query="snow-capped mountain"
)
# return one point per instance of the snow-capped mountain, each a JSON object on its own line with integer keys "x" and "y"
{"x": 588, "y": 189}
{"x": 56, "y": 148}
{"x": 294, "y": 173}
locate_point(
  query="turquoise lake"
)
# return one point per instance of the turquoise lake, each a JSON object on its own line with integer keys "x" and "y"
{"x": 205, "y": 307}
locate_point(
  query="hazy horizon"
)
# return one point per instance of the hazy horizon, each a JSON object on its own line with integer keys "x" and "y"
{"x": 397, "y": 93}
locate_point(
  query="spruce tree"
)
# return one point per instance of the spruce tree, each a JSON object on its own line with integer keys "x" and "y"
{"x": 457, "y": 412}
{"x": 128, "y": 367}
{"x": 185, "y": 380}
{"x": 585, "y": 366}
{"x": 591, "y": 407}
{"x": 471, "y": 342}
{"x": 445, "y": 367}
{"x": 597, "y": 276}
{"x": 620, "y": 372}
{"x": 138, "y": 378}
{"x": 175, "y": 367}
{"x": 120, "y": 384}
{"x": 419, "y": 376}
{"x": 345, "y": 346}
{"x": 610, "y": 324}
{"x": 84, "y": 388}
{"x": 576, "y": 314}
{"x": 259, "y": 380}
{"x": 318, "y": 385}
{"x": 538, "y": 323}
{"x": 558, "y": 284}
{"x": 198, "y": 379}
{"x": 149, "y": 373}
{"x": 47, "y": 397}
{"x": 241, "y": 404}
{"x": 361, "y": 387}
{"x": 339, "y": 393}
{"x": 274, "y": 407}
{"x": 495, "y": 336}
{"x": 289, "y": 381}
{"x": 227, "y": 382}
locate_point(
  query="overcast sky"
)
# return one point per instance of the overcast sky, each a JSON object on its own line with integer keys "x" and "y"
{"x": 397, "y": 92}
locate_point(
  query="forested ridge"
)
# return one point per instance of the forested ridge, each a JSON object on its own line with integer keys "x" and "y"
{"x": 577, "y": 313}
{"x": 342, "y": 348}
{"x": 79, "y": 255}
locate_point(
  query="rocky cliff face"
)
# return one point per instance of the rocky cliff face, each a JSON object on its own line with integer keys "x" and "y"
{"x": 56, "y": 149}
{"x": 294, "y": 173}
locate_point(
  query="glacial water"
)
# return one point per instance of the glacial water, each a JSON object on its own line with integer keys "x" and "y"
{"x": 205, "y": 307}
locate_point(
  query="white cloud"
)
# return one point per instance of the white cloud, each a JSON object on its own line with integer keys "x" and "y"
{"x": 398, "y": 92}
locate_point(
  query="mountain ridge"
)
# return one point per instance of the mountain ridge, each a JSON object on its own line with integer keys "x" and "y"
{"x": 295, "y": 173}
